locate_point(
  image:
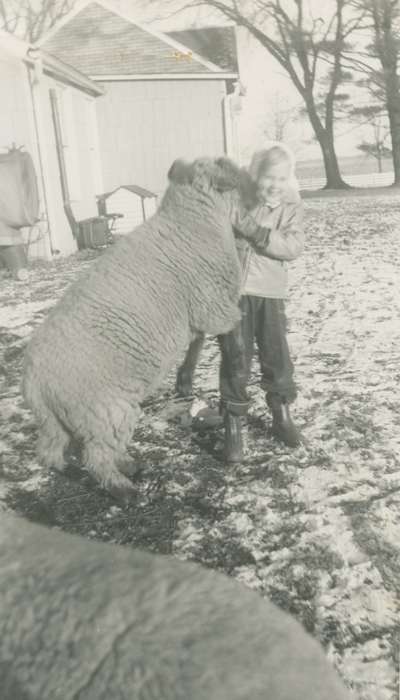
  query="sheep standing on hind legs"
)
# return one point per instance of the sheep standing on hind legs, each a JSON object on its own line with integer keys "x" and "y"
{"x": 122, "y": 326}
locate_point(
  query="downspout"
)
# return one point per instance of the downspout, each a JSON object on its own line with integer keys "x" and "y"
{"x": 143, "y": 209}
{"x": 34, "y": 84}
{"x": 231, "y": 106}
{"x": 227, "y": 124}
{"x": 61, "y": 162}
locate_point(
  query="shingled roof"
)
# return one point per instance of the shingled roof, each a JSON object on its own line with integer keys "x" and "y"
{"x": 99, "y": 41}
{"x": 216, "y": 44}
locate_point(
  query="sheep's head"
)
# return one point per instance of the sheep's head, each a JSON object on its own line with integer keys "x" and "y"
{"x": 229, "y": 176}
{"x": 220, "y": 174}
{"x": 180, "y": 173}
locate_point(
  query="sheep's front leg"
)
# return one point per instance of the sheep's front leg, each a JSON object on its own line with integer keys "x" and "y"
{"x": 185, "y": 374}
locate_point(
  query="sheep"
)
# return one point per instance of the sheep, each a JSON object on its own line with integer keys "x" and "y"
{"x": 119, "y": 330}
{"x": 88, "y": 621}
{"x": 247, "y": 189}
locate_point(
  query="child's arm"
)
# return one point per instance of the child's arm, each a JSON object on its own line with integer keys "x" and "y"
{"x": 245, "y": 224}
{"x": 285, "y": 243}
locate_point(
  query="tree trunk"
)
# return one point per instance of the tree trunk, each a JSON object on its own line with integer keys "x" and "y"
{"x": 334, "y": 180}
{"x": 392, "y": 91}
{"x": 393, "y": 105}
{"x": 384, "y": 15}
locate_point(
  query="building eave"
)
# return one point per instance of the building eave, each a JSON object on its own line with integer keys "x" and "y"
{"x": 54, "y": 67}
{"x": 165, "y": 76}
{"x": 29, "y": 54}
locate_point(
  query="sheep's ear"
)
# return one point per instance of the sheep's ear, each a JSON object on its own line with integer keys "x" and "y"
{"x": 180, "y": 173}
{"x": 226, "y": 174}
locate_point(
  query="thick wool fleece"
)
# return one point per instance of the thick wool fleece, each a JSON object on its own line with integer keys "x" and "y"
{"x": 87, "y": 621}
{"x": 122, "y": 326}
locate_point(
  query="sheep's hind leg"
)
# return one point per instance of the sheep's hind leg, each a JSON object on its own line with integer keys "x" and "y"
{"x": 102, "y": 461}
{"x": 105, "y": 452}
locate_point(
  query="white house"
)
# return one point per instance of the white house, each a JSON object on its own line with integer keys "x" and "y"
{"x": 37, "y": 88}
{"x": 162, "y": 98}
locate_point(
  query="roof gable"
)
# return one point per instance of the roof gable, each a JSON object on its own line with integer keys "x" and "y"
{"x": 98, "y": 40}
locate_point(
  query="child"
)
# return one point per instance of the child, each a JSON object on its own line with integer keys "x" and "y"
{"x": 279, "y": 238}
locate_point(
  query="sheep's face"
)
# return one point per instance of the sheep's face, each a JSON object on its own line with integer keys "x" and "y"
{"x": 220, "y": 174}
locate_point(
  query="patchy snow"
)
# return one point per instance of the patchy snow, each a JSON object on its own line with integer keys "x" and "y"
{"x": 316, "y": 529}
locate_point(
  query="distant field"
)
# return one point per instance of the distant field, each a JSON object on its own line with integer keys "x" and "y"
{"x": 357, "y": 171}
{"x": 366, "y": 191}
{"x": 352, "y": 165}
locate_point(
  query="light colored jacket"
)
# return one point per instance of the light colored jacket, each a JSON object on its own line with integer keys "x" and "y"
{"x": 265, "y": 263}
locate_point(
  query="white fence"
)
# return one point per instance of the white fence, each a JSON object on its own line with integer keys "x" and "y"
{"x": 362, "y": 180}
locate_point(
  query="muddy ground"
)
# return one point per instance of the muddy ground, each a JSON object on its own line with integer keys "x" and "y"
{"x": 316, "y": 529}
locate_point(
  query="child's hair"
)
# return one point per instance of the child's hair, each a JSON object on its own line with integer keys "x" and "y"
{"x": 276, "y": 152}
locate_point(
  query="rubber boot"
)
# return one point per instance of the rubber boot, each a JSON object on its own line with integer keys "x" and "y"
{"x": 233, "y": 446}
{"x": 283, "y": 427}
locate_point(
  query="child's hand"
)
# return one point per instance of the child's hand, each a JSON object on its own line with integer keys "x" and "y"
{"x": 258, "y": 238}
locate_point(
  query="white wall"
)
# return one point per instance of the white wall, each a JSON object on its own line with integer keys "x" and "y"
{"x": 77, "y": 114}
{"x": 145, "y": 125}
{"x": 14, "y": 125}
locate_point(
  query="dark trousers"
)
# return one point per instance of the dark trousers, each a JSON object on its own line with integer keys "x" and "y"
{"x": 263, "y": 321}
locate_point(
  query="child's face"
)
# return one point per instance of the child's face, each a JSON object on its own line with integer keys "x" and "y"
{"x": 274, "y": 181}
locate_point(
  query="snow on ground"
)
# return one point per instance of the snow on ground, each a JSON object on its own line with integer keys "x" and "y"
{"x": 316, "y": 529}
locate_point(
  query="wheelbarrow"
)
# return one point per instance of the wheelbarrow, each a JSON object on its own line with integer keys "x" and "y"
{"x": 97, "y": 231}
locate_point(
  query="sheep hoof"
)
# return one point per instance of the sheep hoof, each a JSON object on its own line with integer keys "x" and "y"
{"x": 72, "y": 470}
{"x": 58, "y": 467}
{"x": 128, "y": 467}
{"x": 122, "y": 494}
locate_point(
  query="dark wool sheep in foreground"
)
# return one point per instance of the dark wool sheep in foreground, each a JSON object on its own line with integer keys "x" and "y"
{"x": 86, "y": 621}
{"x": 122, "y": 326}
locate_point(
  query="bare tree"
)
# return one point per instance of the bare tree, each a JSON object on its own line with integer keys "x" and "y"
{"x": 379, "y": 62}
{"x": 310, "y": 48}
{"x": 377, "y": 147}
{"x": 373, "y": 116}
{"x": 281, "y": 117}
{"x": 30, "y": 19}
